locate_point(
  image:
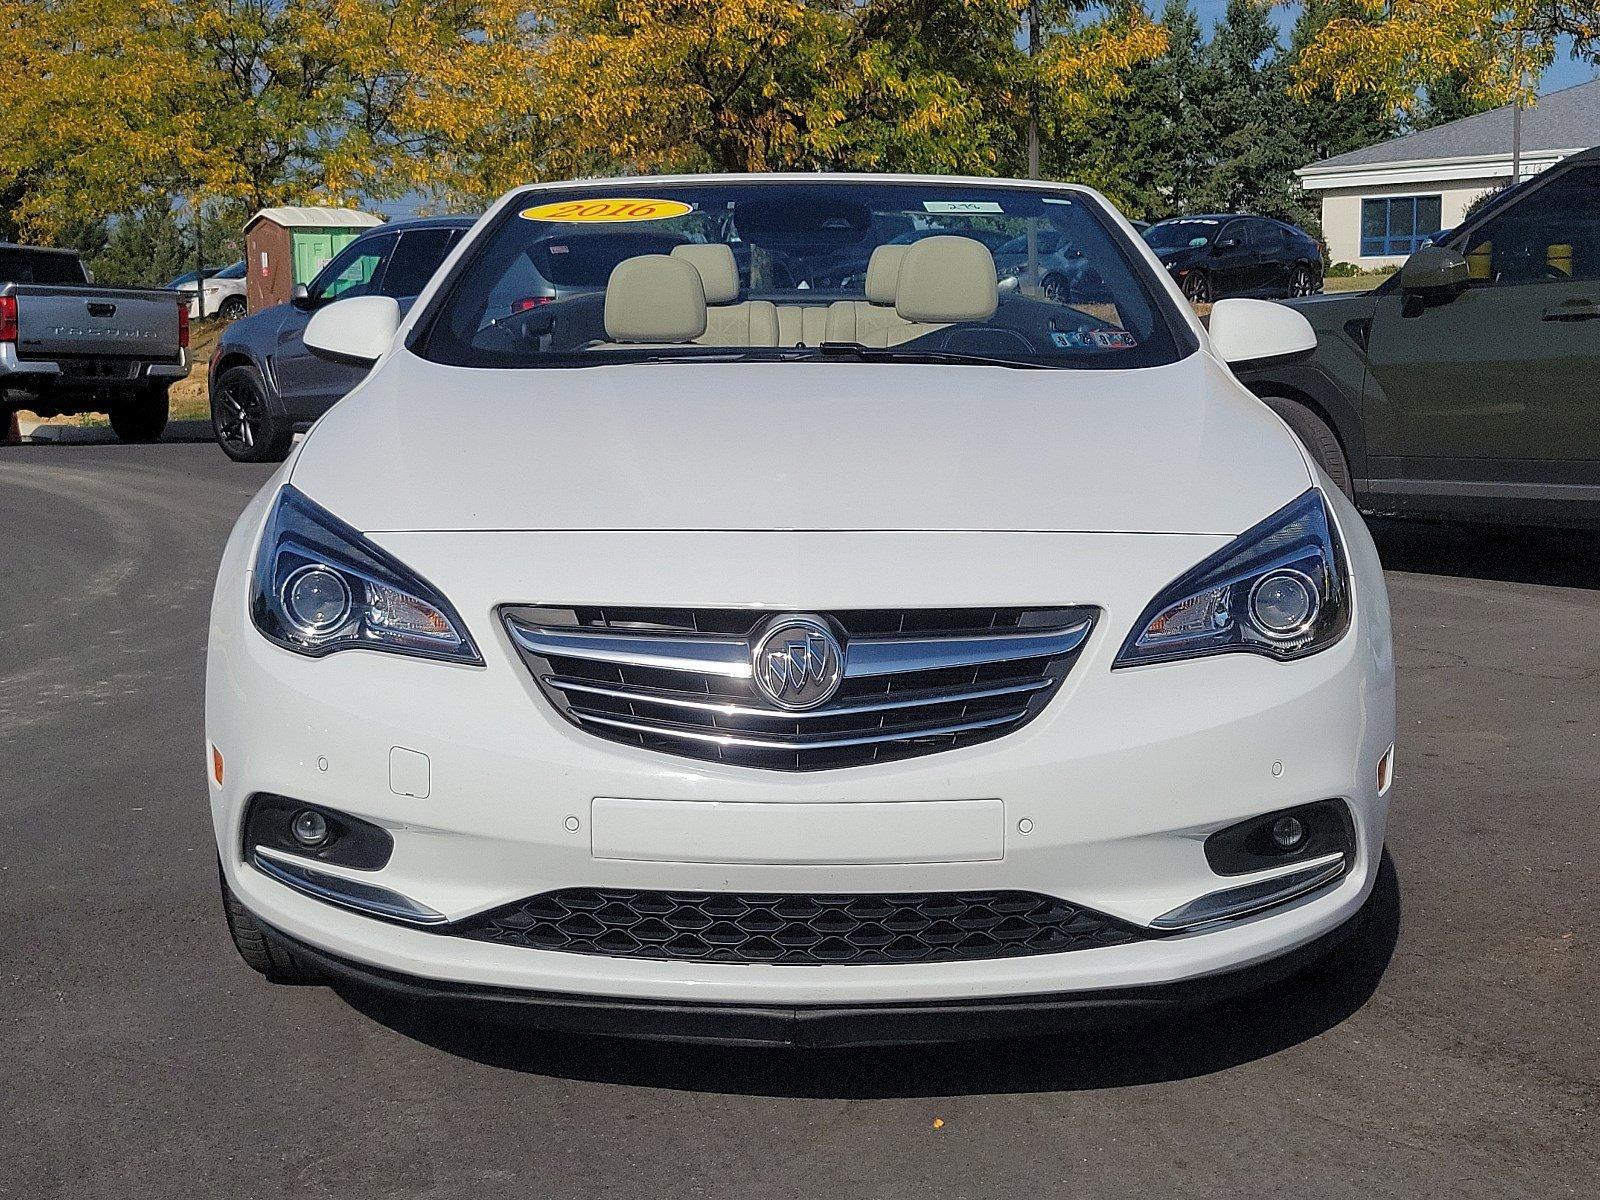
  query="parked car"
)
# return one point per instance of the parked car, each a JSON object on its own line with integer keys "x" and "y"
{"x": 571, "y": 262}
{"x": 223, "y": 292}
{"x": 178, "y": 281}
{"x": 1217, "y": 255}
{"x": 1064, "y": 273}
{"x": 1464, "y": 386}
{"x": 69, "y": 346}
{"x": 264, "y": 384}
{"x": 658, "y": 671}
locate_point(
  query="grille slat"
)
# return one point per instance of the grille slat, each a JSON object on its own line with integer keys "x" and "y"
{"x": 797, "y": 930}
{"x": 915, "y": 681}
{"x": 680, "y": 700}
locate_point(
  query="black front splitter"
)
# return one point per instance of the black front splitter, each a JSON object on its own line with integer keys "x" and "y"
{"x": 816, "y": 1026}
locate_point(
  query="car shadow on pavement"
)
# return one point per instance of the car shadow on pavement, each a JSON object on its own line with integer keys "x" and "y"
{"x": 1509, "y": 554}
{"x": 1182, "y": 1047}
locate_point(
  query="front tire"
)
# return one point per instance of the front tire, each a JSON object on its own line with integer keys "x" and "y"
{"x": 232, "y": 308}
{"x": 1317, "y": 437}
{"x": 260, "y": 953}
{"x": 1197, "y": 288}
{"x": 1056, "y": 289}
{"x": 243, "y": 420}
{"x": 1303, "y": 282}
{"x": 142, "y": 417}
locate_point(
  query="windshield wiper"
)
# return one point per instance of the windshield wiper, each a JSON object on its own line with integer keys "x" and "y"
{"x": 860, "y": 353}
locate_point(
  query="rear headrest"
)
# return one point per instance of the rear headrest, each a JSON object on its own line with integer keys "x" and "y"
{"x": 883, "y": 273}
{"x": 945, "y": 280}
{"x": 655, "y": 298}
{"x": 719, "y": 273}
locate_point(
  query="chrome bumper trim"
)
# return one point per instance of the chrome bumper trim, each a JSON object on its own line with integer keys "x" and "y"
{"x": 1235, "y": 902}
{"x": 361, "y": 897}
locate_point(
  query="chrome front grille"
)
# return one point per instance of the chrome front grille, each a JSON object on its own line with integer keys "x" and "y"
{"x": 913, "y": 681}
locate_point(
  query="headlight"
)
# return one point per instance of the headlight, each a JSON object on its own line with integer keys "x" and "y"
{"x": 1278, "y": 589}
{"x": 319, "y": 586}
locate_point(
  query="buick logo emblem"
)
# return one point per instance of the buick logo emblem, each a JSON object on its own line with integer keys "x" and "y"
{"x": 798, "y": 662}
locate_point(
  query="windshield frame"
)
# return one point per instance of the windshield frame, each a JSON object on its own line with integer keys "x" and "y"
{"x": 1180, "y": 323}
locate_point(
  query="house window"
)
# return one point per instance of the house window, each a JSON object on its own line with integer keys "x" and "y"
{"x": 1397, "y": 224}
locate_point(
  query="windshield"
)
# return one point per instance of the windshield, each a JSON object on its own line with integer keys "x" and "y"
{"x": 797, "y": 271}
{"x": 1186, "y": 231}
{"x": 236, "y": 271}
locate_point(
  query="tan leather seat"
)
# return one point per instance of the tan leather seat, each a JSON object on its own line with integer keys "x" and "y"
{"x": 802, "y": 324}
{"x": 932, "y": 284}
{"x": 728, "y": 323}
{"x": 947, "y": 281}
{"x": 653, "y": 300}
{"x": 872, "y": 322}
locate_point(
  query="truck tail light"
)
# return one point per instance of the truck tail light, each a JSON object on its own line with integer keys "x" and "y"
{"x": 8, "y": 318}
{"x": 183, "y": 324}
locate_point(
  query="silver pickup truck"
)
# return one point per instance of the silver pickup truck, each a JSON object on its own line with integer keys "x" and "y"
{"x": 67, "y": 346}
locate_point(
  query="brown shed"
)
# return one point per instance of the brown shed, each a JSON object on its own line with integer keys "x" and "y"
{"x": 288, "y": 246}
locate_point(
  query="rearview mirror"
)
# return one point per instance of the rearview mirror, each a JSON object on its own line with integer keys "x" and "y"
{"x": 356, "y": 331}
{"x": 1434, "y": 269}
{"x": 1230, "y": 243}
{"x": 1244, "y": 331}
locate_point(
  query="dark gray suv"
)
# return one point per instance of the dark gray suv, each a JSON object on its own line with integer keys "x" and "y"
{"x": 265, "y": 384}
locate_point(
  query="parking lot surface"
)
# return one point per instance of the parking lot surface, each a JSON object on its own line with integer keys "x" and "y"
{"x": 140, "y": 1058}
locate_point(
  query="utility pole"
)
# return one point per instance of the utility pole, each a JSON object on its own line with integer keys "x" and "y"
{"x": 1516, "y": 141}
{"x": 1033, "y": 91}
{"x": 1032, "y": 276}
{"x": 199, "y": 266}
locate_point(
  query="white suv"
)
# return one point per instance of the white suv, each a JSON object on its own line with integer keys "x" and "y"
{"x": 722, "y": 654}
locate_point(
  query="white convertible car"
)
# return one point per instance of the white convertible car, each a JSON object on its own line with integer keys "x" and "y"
{"x": 707, "y": 652}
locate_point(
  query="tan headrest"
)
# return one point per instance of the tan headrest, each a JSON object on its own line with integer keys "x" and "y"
{"x": 883, "y": 273}
{"x": 719, "y": 273}
{"x": 655, "y": 298}
{"x": 944, "y": 280}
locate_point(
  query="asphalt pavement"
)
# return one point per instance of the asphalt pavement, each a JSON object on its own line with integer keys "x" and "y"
{"x": 1455, "y": 1054}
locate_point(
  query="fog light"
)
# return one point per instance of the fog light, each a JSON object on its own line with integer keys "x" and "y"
{"x": 309, "y": 827}
{"x": 1288, "y": 833}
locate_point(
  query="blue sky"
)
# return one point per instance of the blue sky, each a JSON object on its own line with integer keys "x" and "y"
{"x": 1564, "y": 72}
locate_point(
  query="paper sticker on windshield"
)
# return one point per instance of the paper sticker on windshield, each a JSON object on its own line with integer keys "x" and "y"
{"x": 961, "y": 206}
{"x": 611, "y": 209}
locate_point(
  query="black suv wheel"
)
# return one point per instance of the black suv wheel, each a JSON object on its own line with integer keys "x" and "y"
{"x": 243, "y": 420}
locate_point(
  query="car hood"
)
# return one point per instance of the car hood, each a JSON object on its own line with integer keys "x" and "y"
{"x": 801, "y": 446}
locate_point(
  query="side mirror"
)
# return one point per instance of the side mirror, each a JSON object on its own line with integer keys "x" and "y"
{"x": 1434, "y": 269}
{"x": 1246, "y": 331}
{"x": 356, "y": 331}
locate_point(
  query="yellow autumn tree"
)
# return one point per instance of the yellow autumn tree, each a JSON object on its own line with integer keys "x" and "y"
{"x": 110, "y": 105}
{"x": 1495, "y": 50}
{"x": 905, "y": 85}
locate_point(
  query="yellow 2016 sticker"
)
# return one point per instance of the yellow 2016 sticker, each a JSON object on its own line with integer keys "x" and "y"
{"x": 622, "y": 208}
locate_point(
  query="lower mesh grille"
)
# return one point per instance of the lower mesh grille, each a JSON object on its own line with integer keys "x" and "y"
{"x": 795, "y": 930}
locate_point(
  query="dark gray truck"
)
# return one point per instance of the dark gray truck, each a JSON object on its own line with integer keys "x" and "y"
{"x": 67, "y": 346}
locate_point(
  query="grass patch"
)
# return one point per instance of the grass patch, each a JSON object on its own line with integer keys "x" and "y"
{"x": 1355, "y": 283}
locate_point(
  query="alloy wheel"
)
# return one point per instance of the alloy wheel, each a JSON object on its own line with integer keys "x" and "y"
{"x": 237, "y": 413}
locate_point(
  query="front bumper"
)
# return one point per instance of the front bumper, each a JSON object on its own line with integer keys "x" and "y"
{"x": 1106, "y": 798}
{"x": 819, "y": 1026}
